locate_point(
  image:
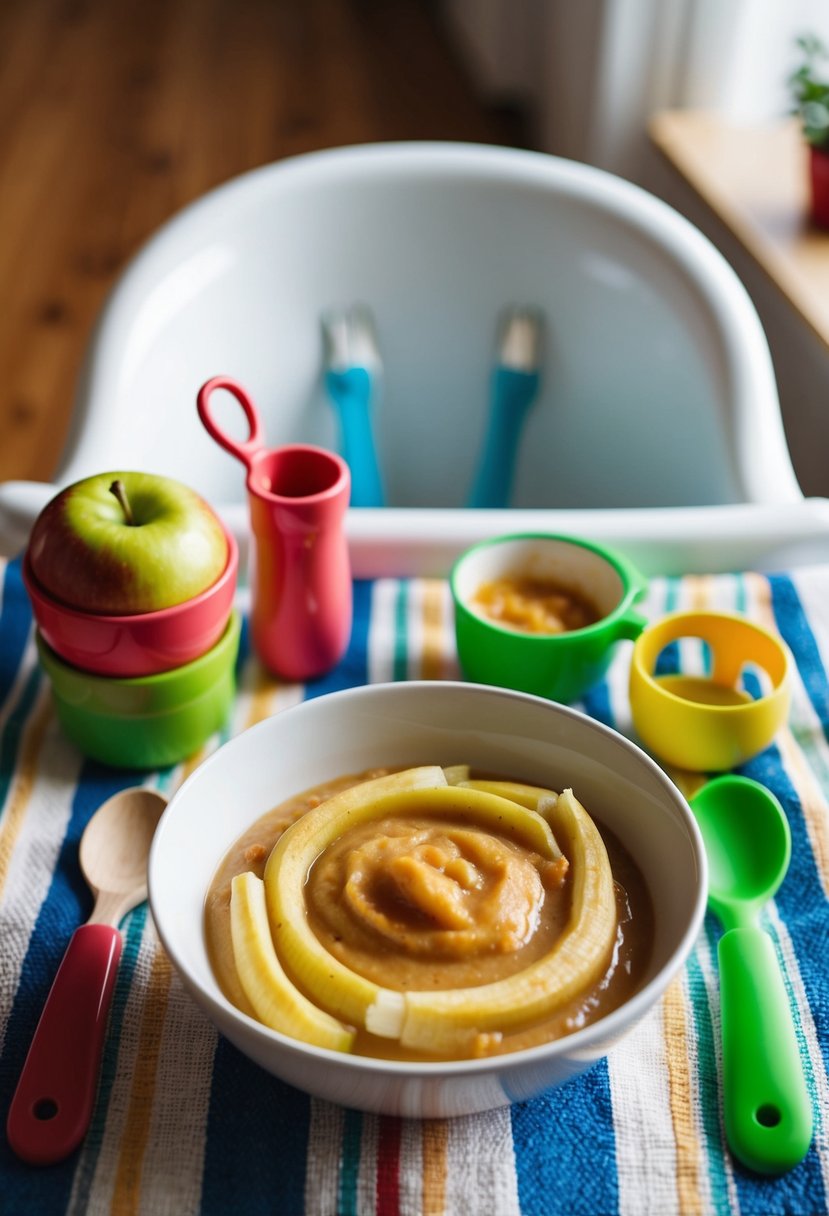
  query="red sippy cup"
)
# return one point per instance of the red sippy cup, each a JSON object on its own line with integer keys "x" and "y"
{"x": 300, "y": 572}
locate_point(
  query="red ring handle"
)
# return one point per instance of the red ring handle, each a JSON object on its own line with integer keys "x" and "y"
{"x": 245, "y": 451}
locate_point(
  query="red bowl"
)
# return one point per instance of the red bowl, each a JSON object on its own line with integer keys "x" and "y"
{"x": 140, "y": 645}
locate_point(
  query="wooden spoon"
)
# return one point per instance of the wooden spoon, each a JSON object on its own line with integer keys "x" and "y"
{"x": 52, "y": 1105}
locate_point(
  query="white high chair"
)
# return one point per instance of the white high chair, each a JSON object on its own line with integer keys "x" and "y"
{"x": 658, "y": 422}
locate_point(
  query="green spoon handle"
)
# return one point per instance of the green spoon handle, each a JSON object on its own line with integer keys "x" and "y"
{"x": 767, "y": 1109}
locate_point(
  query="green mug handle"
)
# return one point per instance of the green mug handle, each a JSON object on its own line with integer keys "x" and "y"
{"x": 766, "y": 1106}
{"x": 637, "y": 583}
{"x": 629, "y": 625}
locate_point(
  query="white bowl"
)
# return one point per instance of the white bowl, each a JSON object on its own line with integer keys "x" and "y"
{"x": 408, "y": 724}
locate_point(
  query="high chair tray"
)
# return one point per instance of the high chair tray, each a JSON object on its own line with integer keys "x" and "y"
{"x": 684, "y": 540}
{"x": 402, "y": 542}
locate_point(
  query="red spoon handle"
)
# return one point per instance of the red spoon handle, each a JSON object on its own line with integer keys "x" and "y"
{"x": 52, "y": 1105}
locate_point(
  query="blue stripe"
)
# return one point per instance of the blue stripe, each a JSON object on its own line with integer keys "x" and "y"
{"x": 597, "y": 704}
{"x": 68, "y": 903}
{"x": 257, "y": 1140}
{"x": 800, "y": 899}
{"x": 352, "y": 670}
{"x": 15, "y": 624}
{"x": 13, "y": 732}
{"x": 401, "y": 637}
{"x": 811, "y": 1083}
{"x": 350, "y": 1166}
{"x": 667, "y": 661}
{"x": 244, "y": 647}
{"x": 565, "y": 1149}
{"x": 15, "y": 627}
{"x": 795, "y": 629}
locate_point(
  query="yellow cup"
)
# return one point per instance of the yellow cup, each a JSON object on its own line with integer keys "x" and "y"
{"x": 709, "y": 724}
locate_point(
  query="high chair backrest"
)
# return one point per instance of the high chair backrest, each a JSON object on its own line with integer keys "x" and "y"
{"x": 657, "y": 387}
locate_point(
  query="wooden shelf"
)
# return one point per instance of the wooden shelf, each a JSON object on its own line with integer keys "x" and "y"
{"x": 756, "y": 180}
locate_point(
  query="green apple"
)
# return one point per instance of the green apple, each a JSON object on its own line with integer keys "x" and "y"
{"x": 126, "y": 543}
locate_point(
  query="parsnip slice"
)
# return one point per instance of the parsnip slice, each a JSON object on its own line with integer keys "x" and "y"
{"x": 525, "y": 795}
{"x": 277, "y": 1002}
{"x": 456, "y": 774}
{"x": 339, "y": 989}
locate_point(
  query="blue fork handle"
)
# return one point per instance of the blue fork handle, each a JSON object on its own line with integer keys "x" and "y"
{"x": 350, "y": 392}
{"x": 513, "y": 393}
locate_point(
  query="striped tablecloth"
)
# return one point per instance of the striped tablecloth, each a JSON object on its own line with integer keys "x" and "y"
{"x": 184, "y": 1123}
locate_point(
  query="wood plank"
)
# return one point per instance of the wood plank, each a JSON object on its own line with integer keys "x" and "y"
{"x": 756, "y": 180}
{"x": 114, "y": 114}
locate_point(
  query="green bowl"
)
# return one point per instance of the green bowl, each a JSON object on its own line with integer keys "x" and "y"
{"x": 145, "y": 721}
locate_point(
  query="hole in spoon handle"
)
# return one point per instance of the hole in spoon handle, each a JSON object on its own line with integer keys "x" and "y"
{"x": 53, "y": 1102}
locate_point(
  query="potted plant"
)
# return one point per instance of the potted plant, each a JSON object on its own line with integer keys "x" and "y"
{"x": 810, "y": 91}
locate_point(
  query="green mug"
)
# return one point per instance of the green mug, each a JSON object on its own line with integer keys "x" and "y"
{"x": 559, "y": 666}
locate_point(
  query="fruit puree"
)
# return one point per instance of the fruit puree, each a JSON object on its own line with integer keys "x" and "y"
{"x": 423, "y": 903}
{"x": 417, "y": 903}
{"x": 534, "y": 605}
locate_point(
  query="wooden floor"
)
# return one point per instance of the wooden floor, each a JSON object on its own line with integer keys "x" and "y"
{"x": 115, "y": 113}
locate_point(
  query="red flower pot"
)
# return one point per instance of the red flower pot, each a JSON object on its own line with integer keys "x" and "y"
{"x": 819, "y": 178}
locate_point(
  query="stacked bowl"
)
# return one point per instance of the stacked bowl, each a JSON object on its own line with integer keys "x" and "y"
{"x": 133, "y": 600}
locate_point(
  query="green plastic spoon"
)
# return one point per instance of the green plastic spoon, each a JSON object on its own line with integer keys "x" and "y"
{"x": 766, "y": 1106}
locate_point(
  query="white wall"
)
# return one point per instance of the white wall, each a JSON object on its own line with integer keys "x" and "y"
{"x": 593, "y": 71}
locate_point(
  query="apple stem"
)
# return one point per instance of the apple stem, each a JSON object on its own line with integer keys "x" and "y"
{"x": 120, "y": 491}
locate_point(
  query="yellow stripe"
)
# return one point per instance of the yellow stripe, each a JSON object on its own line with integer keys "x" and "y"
{"x": 23, "y": 784}
{"x": 687, "y": 783}
{"x": 435, "y": 1140}
{"x": 433, "y": 656}
{"x": 680, "y": 1095}
{"x": 812, "y": 802}
{"x": 265, "y": 688}
{"x": 698, "y": 591}
{"x": 689, "y": 1152}
{"x": 688, "y": 1147}
{"x": 190, "y": 766}
{"x": 126, "y": 1195}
